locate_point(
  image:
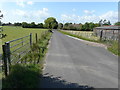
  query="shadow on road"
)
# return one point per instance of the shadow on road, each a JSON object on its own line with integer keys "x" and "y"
{"x": 48, "y": 81}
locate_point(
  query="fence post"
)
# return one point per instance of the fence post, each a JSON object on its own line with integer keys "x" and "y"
{"x": 30, "y": 39}
{"x": 8, "y": 55}
{"x": 5, "y": 59}
{"x": 101, "y": 34}
{"x": 36, "y": 37}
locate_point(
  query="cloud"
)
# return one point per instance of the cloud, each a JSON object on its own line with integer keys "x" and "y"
{"x": 20, "y": 3}
{"x": 68, "y": 18}
{"x": 89, "y": 12}
{"x": 42, "y": 14}
{"x": 78, "y": 19}
{"x": 31, "y": 15}
{"x": 30, "y": 3}
{"x": 23, "y": 3}
{"x": 110, "y": 15}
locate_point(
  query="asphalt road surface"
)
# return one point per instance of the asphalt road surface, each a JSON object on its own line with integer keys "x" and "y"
{"x": 71, "y": 63}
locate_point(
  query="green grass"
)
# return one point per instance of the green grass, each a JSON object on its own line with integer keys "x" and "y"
{"x": 14, "y": 32}
{"x": 112, "y": 46}
{"x": 22, "y": 76}
{"x": 0, "y": 46}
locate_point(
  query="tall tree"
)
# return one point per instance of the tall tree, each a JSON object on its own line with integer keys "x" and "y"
{"x": 91, "y": 26}
{"x": 60, "y": 25}
{"x": 51, "y": 23}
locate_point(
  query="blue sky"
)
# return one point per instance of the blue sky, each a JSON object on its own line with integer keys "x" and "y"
{"x": 75, "y": 12}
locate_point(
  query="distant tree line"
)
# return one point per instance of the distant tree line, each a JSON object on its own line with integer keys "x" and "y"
{"x": 84, "y": 27}
{"x": 51, "y": 23}
{"x": 31, "y": 25}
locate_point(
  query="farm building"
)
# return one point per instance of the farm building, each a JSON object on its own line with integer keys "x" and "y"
{"x": 107, "y": 32}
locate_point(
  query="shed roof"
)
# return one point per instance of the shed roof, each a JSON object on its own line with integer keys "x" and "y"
{"x": 109, "y": 28}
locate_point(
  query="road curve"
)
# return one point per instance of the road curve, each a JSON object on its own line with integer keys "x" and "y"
{"x": 71, "y": 63}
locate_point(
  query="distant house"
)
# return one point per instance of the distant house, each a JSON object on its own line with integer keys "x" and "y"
{"x": 107, "y": 32}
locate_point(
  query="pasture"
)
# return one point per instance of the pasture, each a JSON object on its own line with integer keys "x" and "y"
{"x": 14, "y": 32}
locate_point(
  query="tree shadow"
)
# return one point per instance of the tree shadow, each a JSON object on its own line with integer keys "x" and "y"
{"x": 48, "y": 81}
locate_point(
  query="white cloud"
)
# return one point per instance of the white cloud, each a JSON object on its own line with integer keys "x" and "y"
{"x": 79, "y": 19}
{"x": 89, "y": 12}
{"x": 23, "y": 3}
{"x": 42, "y": 14}
{"x": 110, "y": 15}
{"x": 20, "y": 3}
{"x": 30, "y": 3}
{"x": 38, "y": 15}
{"x": 68, "y": 18}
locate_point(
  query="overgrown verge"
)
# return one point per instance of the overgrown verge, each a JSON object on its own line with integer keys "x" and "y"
{"x": 27, "y": 73}
{"x": 112, "y": 46}
{"x": 79, "y": 36}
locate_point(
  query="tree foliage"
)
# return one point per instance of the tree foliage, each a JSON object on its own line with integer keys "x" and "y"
{"x": 117, "y": 23}
{"x": 17, "y": 24}
{"x": 60, "y": 26}
{"x": 32, "y": 25}
{"x": 104, "y": 22}
{"x": 51, "y": 23}
{"x": 84, "y": 27}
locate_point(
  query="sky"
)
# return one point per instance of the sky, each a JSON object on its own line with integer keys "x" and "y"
{"x": 75, "y": 12}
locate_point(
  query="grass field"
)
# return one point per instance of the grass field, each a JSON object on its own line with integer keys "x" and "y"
{"x": 14, "y": 32}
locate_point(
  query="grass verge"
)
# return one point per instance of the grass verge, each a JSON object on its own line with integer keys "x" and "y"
{"x": 22, "y": 76}
{"x": 79, "y": 36}
{"x": 112, "y": 46}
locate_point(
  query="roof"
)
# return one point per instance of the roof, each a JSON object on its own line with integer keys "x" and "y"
{"x": 109, "y": 28}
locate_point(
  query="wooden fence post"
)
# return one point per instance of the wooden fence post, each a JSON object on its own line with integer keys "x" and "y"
{"x": 36, "y": 37}
{"x": 101, "y": 34}
{"x": 30, "y": 39}
{"x": 8, "y": 55}
{"x": 5, "y": 59}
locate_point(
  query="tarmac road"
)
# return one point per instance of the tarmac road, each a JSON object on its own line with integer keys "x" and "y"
{"x": 70, "y": 63}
